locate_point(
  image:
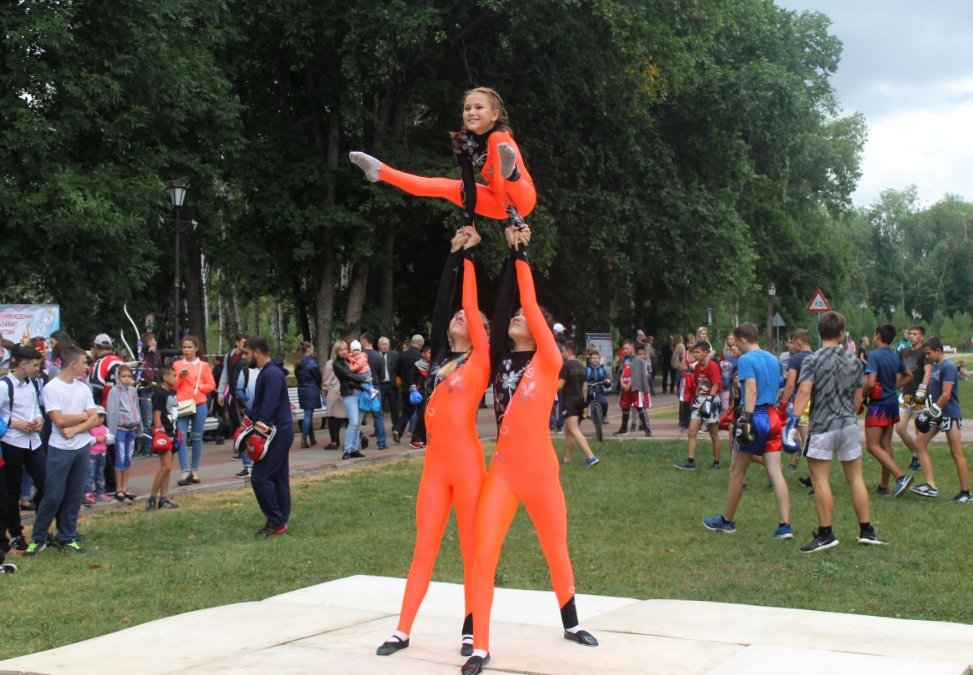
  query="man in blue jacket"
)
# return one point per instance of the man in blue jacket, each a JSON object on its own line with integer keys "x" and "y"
{"x": 270, "y": 415}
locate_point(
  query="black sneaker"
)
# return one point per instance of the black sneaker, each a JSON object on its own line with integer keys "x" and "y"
{"x": 150, "y": 504}
{"x": 805, "y": 481}
{"x": 396, "y": 437}
{"x": 914, "y": 464}
{"x": 243, "y": 474}
{"x": 165, "y": 503}
{"x": 73, "y": 547}
{"x": 821, "y": 543}
{"x": 355, "y": 454}
{"x": 35, "y": 547}
{"x": 18, "y": 544}
{"x": 620, "y": 432}
{"x": 869, "y": 537}
{"x": 688, "y": 465}
{"x": 8, "y": 568}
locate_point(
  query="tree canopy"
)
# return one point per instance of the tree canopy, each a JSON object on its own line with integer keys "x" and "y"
{"x": 686, "y": 154}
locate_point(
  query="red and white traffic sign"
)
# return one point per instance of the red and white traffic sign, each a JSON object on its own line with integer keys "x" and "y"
{"x": 818, "y": 303}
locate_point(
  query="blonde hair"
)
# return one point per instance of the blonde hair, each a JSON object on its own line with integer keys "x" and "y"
{"x": 495, "y": 100}
{"x": 337, "y": 345}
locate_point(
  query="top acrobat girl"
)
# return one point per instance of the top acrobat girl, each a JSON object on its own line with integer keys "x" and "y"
{"x": 485, "y": 143}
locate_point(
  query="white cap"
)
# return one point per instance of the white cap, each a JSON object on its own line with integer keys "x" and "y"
{"x": 355, "y": 346}
{"x": 102, "y": 340}
{"x": 558, "y": 328}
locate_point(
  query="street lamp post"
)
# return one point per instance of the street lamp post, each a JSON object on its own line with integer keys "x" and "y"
{"x": 177, "y": 195}
{"x": 771, "y": 292}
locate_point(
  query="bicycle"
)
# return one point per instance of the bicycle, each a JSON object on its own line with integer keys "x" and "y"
{"x": 594, "y": 406}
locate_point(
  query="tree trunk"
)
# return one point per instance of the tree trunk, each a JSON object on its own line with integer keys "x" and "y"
{"x": 235, "y": 318}
{"x": 324, "y": 303}
{"x": 193, "y": 282}
{"x": 356, "y": 299}
{"x": 275, "y": 327}
{"x": 300, "y": 302}
{"x": 256, "y": 317}
{"x": 387, "y": 288}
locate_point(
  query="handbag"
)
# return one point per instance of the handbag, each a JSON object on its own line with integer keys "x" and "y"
{"x": 188, "y": 407}
{"x": 368, "y": 403}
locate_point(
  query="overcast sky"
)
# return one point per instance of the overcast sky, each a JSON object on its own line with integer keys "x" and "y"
{"x": 907, "y": 65}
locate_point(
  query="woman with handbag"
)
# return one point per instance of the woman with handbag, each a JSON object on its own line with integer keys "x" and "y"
{"x": 350, "y": 386}
{"x": 194, "y": 382}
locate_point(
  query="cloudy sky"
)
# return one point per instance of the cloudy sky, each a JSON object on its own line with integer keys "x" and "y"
{"x": 907, "y": 65}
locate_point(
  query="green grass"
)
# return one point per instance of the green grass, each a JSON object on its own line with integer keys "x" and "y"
{"x": 634, "y": 526}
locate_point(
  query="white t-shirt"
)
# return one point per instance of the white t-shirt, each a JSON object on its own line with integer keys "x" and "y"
{"x": 70, "y": 399}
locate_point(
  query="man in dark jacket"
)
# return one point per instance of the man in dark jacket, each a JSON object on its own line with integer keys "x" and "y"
{"x": 386, "y": 379}
{"x": 376, "y": 364}
{"x": 270, "y": 477}
{"x": 407, "y": 373}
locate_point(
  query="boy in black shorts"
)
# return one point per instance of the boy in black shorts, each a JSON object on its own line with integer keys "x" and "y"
{"x": 573, "y": 387}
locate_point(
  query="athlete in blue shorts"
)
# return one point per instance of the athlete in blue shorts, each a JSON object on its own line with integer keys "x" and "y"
{"x": 758, "y": 432}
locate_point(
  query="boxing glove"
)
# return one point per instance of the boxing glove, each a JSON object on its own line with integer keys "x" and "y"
{"x": 744, "y": 428}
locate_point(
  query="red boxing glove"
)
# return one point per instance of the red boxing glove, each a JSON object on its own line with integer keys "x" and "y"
{"x": 258, "y": 442}
{"x": 241, "y": 434}
{"x": 161, "y": 441}
{"x": 876, "y": 392}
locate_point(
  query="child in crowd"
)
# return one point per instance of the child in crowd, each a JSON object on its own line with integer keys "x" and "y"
{"x": 124, "y": 424}
{"x": 596, "y": 373}
{"x": 358, "y": 362}
{"x": 94, "y": 488}
{"x": 163, "y": 430}
{"x": 706, "y": 407}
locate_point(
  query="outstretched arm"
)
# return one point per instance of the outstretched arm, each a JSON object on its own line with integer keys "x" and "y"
{"x": 471, "y": 307}
{"x": 541, "y": 332}
{"x": 446, "y": 298}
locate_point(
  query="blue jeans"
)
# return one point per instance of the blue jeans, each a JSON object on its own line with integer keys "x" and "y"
{"x": 63, "y": 491}
{"x": 124, "y": 447}
{"x": 307, "y": 424}
{"x": 195, "y": 438}
{"x": 95, "y": 480}
{"x": 354, "y": 422}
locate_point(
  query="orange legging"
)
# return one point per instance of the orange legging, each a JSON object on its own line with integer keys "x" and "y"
{"x": 492, "y": 199}
{"x": 454, "y": 469}
{"x": 524, "y": 468}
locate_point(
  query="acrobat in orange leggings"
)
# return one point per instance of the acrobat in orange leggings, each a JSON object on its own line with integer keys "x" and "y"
{"x": 486, "y": 144}
{"x": 454, "y": 468}
{"x": 524, "y": 466}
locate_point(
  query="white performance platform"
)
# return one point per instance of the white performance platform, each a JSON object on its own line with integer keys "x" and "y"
{"x": 335, "y": 628}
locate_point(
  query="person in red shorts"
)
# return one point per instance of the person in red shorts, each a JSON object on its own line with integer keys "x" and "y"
{"x": 634, "y": 389}
{"x": 885, "y": 373}
{"x": 758, "y": 433}
{"x": 706, "y": 384}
